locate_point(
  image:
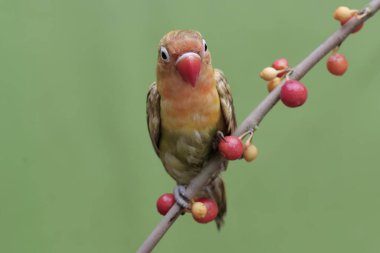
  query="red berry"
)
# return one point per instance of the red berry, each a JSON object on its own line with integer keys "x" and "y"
{"x": 231, "y": 147}
{"x": 357, "y": 28}
{"x": 280, "y": 64}
{"x": 293, "y": 93}
{"x": 337, "y": 64}
{"x": 164, "y": 203}
{"x": 212, "y": 210}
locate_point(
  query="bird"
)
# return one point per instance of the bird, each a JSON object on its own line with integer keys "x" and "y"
{"x": 187, "y": 105}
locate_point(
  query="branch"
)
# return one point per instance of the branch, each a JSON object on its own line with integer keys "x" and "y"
{"x": 254, "y": 119}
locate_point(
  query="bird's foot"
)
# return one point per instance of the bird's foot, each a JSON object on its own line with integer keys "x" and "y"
{"x": 180, "y": 197}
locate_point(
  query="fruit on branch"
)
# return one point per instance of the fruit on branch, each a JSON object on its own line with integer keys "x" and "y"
{"x": 164, "y": 203}
{"x": 293, "y": 93}
{"x": 231, "y": 147}
{"x": 343, "y": 13}
{"x": 256, "y": 117}
{"x": 357, "y": 28}
{"x": 204, "y": 210}
{"x": 198, "y": 210}
{"x": 250, "y": 152}
{"x": 273, "y": 84}
{"x": 270, "y": 73}
{"x": 280, "y": 64}
{"x": 337, "y": 64}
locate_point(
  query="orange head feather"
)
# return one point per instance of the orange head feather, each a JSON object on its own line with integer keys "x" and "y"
{"x": 183, "y": 63}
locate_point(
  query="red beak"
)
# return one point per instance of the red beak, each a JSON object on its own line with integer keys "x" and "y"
{"x": 189, "y": 65}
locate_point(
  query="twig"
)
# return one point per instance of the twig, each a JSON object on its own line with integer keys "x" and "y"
{"x": 255, "y": 117}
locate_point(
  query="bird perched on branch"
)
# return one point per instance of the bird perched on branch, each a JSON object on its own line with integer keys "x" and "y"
{"x": 186, "y": 106}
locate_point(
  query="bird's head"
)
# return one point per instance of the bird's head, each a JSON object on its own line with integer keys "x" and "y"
{"x": 182, "y": 57}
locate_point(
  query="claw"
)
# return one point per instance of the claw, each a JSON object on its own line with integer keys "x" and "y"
{"x": 180, "y": 197}
{"x": 220, "y": 135}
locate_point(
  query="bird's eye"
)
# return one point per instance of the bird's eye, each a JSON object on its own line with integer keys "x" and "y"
{"x": 164, "y": 54}
{"x": 204, "y": 46}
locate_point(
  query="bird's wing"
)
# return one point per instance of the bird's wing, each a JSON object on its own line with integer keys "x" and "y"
{"x": 153, "y": 116}
{"x": 225, "y": 101}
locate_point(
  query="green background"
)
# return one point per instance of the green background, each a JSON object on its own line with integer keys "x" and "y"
{"x": 77, "y": 170}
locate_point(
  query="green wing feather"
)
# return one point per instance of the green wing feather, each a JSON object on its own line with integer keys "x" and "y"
{"x": 226, "y": 102}
{"x": 153, "y": 116}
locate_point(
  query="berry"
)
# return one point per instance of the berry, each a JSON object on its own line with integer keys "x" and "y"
{"x": 293, "y": 93}
{"x": 250, "y": 152}
{"x": 273, "y": 84}
{"x": 337, "y": 64}
{"x": 164, "y": 203}
{"x": 343, "y": 13}
{"x": 280, "y": 64}
{"x": 268, "y": 73}
{"x": 357, "y": 28}
{"x": 231, "y": 147}
{"x": 199, "y": 210}
{"x": 211, "y": 210}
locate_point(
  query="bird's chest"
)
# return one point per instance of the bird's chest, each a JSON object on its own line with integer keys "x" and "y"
{"x": 191, "y": 112}
{"x": 188, "y": 128}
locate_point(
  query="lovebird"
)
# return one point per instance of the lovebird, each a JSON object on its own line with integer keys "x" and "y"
{"x": 187, "y": 105}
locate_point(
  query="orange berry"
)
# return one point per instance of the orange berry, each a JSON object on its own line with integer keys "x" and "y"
{"x": 273, "y": 84}
{"x": 343, "y": 13}
{"x": 268, "y": 73}
{"x": 250, "y": 153}
{"x": 199, "y": 210}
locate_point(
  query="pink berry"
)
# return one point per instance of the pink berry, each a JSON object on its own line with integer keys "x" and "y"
{"x": 231, "y": 147}
{"x": 280, "y": 64}
{"x": 357, "y": 28}
{"x": 293, "y": 93}
{"x": 337, "y": 64}
{"x": 204, "y": 217}
{"x": 164, "y": 203}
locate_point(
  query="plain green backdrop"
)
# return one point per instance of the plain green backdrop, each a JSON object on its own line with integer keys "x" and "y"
{"x": 77, "y": 170}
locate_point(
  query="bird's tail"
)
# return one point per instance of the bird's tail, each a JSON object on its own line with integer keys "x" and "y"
{"x": 216, "y": 191}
